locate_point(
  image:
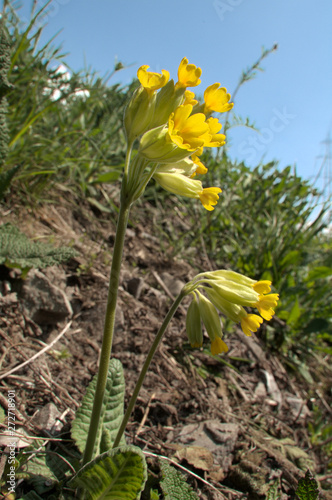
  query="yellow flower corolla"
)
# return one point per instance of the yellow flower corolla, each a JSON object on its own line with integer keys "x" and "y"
{"x": 209, "y": 197}
{"x": 218, "y": 346}
{"x": 216, "y": 99}
{"x": 189, "y": 98}
{"x": 188, "y": 75}
{"x": 216, "y": 139}
{"x": 188, "y": 131}
{"x": 229, "y": 292}
{"x": 152, "y": 81}
{"x": 251, "y": 323}
{"x": 180, "y": 184}
{"x": 262, "y": 287}
{"x": 200, "y": 167}
{"x": 267, "y": 304}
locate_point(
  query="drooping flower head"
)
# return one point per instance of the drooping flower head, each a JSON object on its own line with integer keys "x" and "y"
{"x": 173, "y": 126}
{"x": 230, "y": 292}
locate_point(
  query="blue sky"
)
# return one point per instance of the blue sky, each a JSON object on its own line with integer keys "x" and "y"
{"x": 290, "y": 102}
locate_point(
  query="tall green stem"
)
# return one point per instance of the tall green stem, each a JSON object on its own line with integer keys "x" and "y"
{"x": 106, "y": 347}
{"x": 146, "y": 365}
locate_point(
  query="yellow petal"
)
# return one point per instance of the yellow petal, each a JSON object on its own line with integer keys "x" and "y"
{"x": 216, "y": 99}
{"x": 218, "y": 346}
{"x": 188, "y": 74}
{"x": 189, "y": 98}
{"x": 185, "y": 130}
{"x": 201, "y": 168}
{"x": 152, "y": 81}
{"x": 209, "y": 197}
{"x": 267, "y": 304}
{"x": 262, "y": 287}
{"x": 251, "y": 323}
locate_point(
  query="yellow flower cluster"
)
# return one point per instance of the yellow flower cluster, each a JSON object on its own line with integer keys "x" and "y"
{"x": 229, "y": 293}
{"x": 173, "y": 129}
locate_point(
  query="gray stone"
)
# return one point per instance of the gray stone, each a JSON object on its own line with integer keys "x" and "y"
{"x": 219, "y": 438}
{"x": 44, "y": 302}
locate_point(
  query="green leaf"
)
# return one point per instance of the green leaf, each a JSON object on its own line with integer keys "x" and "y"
{"x": 307, "y": 488}
{"x": 16, "y": 250}
{"x": 292, "y": 257}
{"x": 110, "y": 176}
{"x": 40, "y": 475}
{"x": 118, "y": 474}
{"x": 154, "y": 495}
{"x": 294, "y": 314}
{"x": 174, "y": 484}
{"x": 319, "y": 273}
{"x": 111, "y": 414}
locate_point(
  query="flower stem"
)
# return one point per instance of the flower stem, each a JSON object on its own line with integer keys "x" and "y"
{"x": 146, "y": 365}
{"x": 106, "y": 347}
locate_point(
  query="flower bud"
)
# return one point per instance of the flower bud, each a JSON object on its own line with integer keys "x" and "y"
{"x": 194, "y": 325}
{"x": 155, "y": 145}
{"x": 139, "y": 113}
{"x": 168, "y": 99}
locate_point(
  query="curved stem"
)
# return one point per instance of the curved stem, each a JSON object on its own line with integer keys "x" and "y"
{"x": 146, "y": 365}
{"x": 106, "y": 347}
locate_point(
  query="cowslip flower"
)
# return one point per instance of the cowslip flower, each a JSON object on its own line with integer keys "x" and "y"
{"x": 188, "y": 131}
{"x": 188, "y": 75}
{"x": 141, "y": 108}
{"x": 184, "y": 134}
{"x": 202, "y": 310}
{"x": 173, "y": 127}
{"x": 231, "y": 292}
{"x": 216, "y": 99}
{"x": 180, "y": 184}
{"x": 152, "y": 81}
{"x": 173, "y": 95}
{"x": 216, "y": 140}
{"x": 200, "y": 167}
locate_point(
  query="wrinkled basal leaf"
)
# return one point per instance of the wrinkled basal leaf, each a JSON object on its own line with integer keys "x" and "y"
{"x": 174, "y": 484}
{"x": 307, "y": 488}
{"x": 111, "y": 414}
{"x": 118, "y": 474}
